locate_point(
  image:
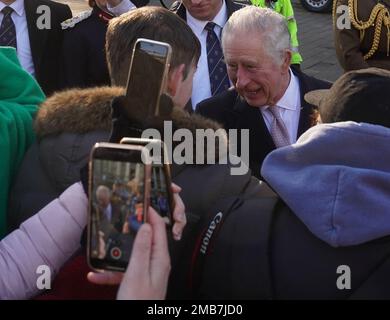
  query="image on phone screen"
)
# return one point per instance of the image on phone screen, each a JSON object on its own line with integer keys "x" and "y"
{"x": 117, "y": 209}
{"x": 159, "y": 196}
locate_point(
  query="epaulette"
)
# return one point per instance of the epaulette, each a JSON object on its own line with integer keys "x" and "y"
{"x": 70, "y": 23}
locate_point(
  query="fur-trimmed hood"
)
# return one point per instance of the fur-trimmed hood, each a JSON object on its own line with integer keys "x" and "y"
{"x": 83, "y": 110}
{"x": 69, "y": 123}
{"x": 76, "y": 111}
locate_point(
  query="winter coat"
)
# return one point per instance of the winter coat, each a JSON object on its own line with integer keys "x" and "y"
{"x": 47, "y": 239}
{"x": 324, "y": 234}
{"x": 67, "y": 125}
{"x": 20, "y": 96}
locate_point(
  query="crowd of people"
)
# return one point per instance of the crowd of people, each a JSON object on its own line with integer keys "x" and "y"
{"x": 316, "y": 197}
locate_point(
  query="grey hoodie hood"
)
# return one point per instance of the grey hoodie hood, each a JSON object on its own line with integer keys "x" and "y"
{"x": 336, "y": 179}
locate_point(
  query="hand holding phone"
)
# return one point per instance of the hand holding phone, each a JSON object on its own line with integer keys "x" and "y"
{"x": 147, "y": 274}
{"x": 119, "y": 193}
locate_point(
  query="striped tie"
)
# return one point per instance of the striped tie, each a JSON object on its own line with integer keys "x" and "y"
{"x": 7, "y": 29}
{"x": 219, "y": 80}
{"x": 279, "y": 131}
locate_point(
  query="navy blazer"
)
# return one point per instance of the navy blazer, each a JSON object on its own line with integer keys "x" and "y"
{"x": 46, "y": 43}
{"x": 232, "y": 112}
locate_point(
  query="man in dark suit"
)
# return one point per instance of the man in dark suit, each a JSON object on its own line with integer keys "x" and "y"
{"x": 83, "y": 62}
{"x": 268, "y": 98}
{"x": 35, "y": 31}
{"x": 199, "y": 14}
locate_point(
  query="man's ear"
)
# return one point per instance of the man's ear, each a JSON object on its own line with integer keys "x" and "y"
{"x": 175, "y": 78}
{"x": 286, "y": 61}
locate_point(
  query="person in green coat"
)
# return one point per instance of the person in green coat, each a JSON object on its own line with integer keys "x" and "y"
{"x": 285, "y": 8}
{"x": 20, "y": 96}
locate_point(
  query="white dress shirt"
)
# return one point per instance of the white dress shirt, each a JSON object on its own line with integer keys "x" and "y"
{"x": 201, "y": 86}
{"x": 122, "y": 7}
{"x": 289, "y": 108}
{"x": 22, "y": 36}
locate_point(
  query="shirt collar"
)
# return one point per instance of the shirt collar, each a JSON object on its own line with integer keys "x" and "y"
{"x": 18, "y": 7}
{"x": 287, "y": 101}
{"x": 220, "y": 19}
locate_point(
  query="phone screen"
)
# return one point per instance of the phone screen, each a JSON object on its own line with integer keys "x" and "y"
{"x": 146, "y": 76}
{"x": 117, "y": 206}
{"x": 160, "y": 198}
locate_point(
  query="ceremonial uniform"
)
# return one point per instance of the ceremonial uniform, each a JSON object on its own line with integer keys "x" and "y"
{"x": 367, "y": 42}
{"x": 83, "y": 55}
{"x": 285, "y": 8}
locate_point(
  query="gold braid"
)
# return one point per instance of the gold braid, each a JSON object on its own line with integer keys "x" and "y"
{"x": 379, "y": 15}
{"x": 334, "y": 8}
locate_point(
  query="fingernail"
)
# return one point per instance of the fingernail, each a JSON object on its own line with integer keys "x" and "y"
{"x": 178, "y": 236}
{"x": 182, "y": 217}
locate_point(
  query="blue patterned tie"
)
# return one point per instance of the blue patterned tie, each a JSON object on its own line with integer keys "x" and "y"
{"x": 219, "y": 80}
{"x": 7, "y": 29}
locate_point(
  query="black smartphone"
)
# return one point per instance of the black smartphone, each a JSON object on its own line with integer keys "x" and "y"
{"x": 147, "y": 75}
{"x": 161, "y": 196}
{"x": 119, "y": 193}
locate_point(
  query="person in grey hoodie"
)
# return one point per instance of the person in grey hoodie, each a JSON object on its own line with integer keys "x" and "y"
{"x": 324, "y": 234}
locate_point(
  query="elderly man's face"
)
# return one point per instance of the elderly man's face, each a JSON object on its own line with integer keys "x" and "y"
{"x": 254, "y": 74}
{"x": 103, "y": 199}
{"x": 204, "y": 10}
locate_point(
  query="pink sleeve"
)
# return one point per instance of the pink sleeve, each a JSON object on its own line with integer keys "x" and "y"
{"x": 50, "y": 238}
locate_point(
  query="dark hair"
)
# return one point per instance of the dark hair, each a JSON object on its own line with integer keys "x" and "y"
{"x": 91, "y": 3}
{"x": 360, "y": 96}
{"x": 152, "y": 23}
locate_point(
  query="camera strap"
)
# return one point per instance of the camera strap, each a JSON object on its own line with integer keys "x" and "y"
{"x": 231, "y": 255}
{"x": 205, "y": 240}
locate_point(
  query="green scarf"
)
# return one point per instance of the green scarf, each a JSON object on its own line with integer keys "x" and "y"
{"x": 20, "y": 96}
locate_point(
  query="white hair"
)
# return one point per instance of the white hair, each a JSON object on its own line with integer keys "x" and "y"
{"x": 270, "y": 25}
{"x": 102, "y": 190}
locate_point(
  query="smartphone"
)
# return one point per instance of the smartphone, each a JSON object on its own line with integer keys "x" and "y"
{"x": 119, "y": 193}
{"x": 147, "y": 75}
{"x": 161, "y": 196}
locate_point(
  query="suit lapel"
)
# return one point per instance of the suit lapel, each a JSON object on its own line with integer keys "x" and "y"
{"x": 37, "y": 37}
{"x": 305, "y": 118}
{"x": 252, "y": 119}
{"x": 180, "y": 10}
{"x": 231, "y": 7}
